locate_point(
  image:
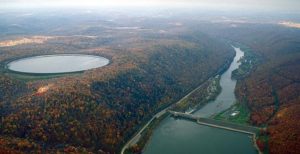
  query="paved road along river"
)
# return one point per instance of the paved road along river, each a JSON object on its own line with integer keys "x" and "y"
{"x": 179, "y": 136}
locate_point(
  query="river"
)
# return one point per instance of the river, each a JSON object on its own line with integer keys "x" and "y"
{"x": 179, "y": 136}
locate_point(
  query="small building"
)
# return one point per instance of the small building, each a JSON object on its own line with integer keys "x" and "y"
{"x": 235, "y": 113}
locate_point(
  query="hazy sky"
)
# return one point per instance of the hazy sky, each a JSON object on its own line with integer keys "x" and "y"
{"x": 293, "y": 5}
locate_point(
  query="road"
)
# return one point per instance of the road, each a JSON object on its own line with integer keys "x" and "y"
{"x": 137, "y": 136}
{"x": 217, "y": 123}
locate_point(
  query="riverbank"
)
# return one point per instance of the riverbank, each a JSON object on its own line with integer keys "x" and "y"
{"x": 138, "y": 142}
{"x": 216, "y": 108}
{"x": 237, "y": 113}
{"x": 207, "y": 92}
{"x": 145, "y": 136}
{"x": 182, "y": 136}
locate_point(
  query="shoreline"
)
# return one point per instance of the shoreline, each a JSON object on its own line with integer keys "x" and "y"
{"x": 234, "y": 64}
{"x": 220, "y": 71}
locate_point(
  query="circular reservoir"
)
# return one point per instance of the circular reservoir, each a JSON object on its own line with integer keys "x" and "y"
{"x": 58, "y": 63}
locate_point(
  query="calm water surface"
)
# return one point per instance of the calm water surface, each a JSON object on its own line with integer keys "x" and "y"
{"x": 60, "y": 63}
{"x": 178, "y": 136}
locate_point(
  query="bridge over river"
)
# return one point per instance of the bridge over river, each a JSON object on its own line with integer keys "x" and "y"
{"x": 217, "y": 123}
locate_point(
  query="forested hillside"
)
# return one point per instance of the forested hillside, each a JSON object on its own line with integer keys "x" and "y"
{"x": 155, "y": 59}
{"x": 99, "y": 110}
{"x": 271, "y": 90}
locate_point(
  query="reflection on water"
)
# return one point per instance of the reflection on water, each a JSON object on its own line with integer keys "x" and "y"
{"x": 61, "y": 63}
{"x": 226, "y": 98}
{"x": 178, "y": 136}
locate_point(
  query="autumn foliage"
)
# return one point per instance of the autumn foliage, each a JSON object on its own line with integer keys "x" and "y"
{"x": 97, "y": 111}
{"x": 272, "y": 90}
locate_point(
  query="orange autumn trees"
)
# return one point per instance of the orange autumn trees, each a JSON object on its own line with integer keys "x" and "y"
{"x": 10, "y": 87}
{"x": 284, "y": 130}
{"x": 97, "y": 111}
{"x": 271, "y": 90}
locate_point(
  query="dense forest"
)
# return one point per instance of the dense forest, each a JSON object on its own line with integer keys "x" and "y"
{"x": 155, "y": 61}
{"x": 271, "y": 89}
{"x": 99, "y": 110}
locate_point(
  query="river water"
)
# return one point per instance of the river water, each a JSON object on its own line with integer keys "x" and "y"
{"x": 179, "y": 136}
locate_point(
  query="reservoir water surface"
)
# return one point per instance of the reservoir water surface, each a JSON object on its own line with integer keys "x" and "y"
{"x": 179, "y": 136}
{"x": 59, "y": 63}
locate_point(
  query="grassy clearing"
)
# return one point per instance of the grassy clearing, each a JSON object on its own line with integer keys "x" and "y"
{"x": 242, "y": 117}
